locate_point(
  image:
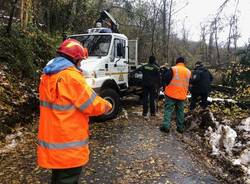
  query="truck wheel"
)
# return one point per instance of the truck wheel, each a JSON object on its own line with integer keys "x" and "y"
{"x": 114, "y": 98}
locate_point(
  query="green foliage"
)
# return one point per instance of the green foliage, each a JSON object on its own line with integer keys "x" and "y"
{"x": 68, "y": 16}
{"x": 238, "y": 77}
{"x": 244, "y": 55}
{"x": 26, "y": 52}
{"x": 238, "y": 74}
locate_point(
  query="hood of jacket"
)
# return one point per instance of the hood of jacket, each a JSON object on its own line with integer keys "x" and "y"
{"x": 57, "y": 64}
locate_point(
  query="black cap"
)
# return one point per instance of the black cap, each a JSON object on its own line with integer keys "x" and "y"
{"x": 198, "y": 63}
{"x": 151, "y": 59}
{"x": 180, "y": 60}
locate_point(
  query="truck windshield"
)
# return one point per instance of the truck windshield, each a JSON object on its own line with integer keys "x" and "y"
{"x": 98, "y": 45}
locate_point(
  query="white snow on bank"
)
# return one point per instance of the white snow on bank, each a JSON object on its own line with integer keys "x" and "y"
{"x": 244, "y": 162}
{"x": 244, "y": 158}
{"x": 229, "y": 138}
{"x": 245, "y": 125}
{"x": 217, "y": 99}
{"x": 220, "y": 100}
{"x": 213, "y": 119}
{"x": 213, "y": 140}
{"x": 223, "y": 136}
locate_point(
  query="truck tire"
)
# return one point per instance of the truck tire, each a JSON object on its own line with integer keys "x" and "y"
{"x": 113, "y": 97}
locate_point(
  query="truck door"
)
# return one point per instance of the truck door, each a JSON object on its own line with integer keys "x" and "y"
{"x": 119, "y": 62}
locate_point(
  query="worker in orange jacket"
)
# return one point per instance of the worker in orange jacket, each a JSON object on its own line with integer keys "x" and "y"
{"x": 66, "y": 102}
{"x": 176, "y": 93}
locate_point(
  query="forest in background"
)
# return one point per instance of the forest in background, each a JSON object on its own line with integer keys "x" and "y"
{"x": 31, "y": 30}
{"x": 151, "y": 22}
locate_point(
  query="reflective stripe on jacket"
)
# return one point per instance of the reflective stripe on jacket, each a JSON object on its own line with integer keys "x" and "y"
{"x": 178, "y": 86}
{"x": 66, "y": 102}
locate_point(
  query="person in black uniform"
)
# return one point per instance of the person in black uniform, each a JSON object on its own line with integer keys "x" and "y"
{"x": 150, "y": 84}
{"x": 200, "y": 86}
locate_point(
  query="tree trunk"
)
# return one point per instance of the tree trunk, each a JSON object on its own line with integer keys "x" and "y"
{"x": 164, "y": 31}
{"x": 203, "y": 44}
{"x": 48, "y": 15}
{"x": 152, "y": 40}
{"x": 215, "y": 27}
{"x": 229, "y": 39}
{"x": 217, "y": 47}
{"x": 169, "y": 28}
{"x": 235, "y": 37}
{"x": 155, "y": 15}
{"x": 25, "y": 10}
{"x": 22, "y": 12}
{"x": 210, "y": 49}
{"x": 13, "y": 5}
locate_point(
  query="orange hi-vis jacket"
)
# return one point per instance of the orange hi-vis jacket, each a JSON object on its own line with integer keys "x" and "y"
{"x": 66, "y": 102}
{"x": 178, "y": 86}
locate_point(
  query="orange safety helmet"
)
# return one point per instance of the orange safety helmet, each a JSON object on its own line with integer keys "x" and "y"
{"x": 73, "y": 49}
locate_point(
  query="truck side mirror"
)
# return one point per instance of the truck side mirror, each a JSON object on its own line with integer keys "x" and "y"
{"x": 106, "y": 66}
{"x": 120, "y": 50}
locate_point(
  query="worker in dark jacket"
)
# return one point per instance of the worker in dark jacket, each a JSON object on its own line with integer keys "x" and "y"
{"x": 150, "y": 83}
{"x": 200, "y": 85}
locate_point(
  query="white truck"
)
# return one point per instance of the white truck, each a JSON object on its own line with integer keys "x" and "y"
{"x": 111, "y": 58}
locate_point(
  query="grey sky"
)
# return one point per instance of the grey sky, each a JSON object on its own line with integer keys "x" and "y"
{"x": 199, "y": 11}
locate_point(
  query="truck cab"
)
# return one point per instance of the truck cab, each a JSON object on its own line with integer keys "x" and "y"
{"x": 106, "y": 70}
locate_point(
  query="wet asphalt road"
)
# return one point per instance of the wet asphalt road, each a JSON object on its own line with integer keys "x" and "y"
{"x": 126, "y": 150}
{"x": 133, "y": 150}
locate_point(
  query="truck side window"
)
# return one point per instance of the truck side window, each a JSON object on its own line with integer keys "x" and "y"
{"x": 119, "y": 48}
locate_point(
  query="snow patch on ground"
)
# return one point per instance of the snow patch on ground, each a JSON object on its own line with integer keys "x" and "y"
{"x": 223, "y": 139}
{"x": 11, "y": 141}
{"x": 245, "y": 125}
{"x": 213, "y": 119}
{"x": 217, "y": 99}
{"x": 220, "y": 100}
{"x": 244, "y": 158}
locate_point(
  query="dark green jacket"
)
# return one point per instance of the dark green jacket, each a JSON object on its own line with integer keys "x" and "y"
{"x": 204, "y": 84}
{"x": 150, "y": 75}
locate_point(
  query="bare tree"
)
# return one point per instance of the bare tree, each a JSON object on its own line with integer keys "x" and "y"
{"x": 13, "y": 8}
{"x": 203, "y": 45}
{"x": 166, "y": 27}
{"x": 164, "y": 30}
{"x": 233, "y": 32}
{"x": 169, "y": 27}
{"x": 154, "y": 21}
{"x": 231, "y": 22}
{"x": 222, "y": 6}
{"x": 185, "y": 34}
{"x": 211, "y": 48}
{"x": 216, "y": 38}
{"x": 235, "y": 35}
{"x": 141, "y": 18}
{"x": 167, "y": 16}
{"x": 216, "y": 27}
{"x": 25, "y": 13}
